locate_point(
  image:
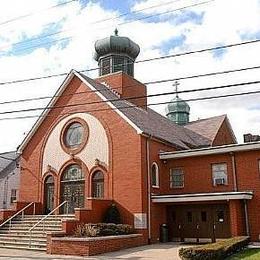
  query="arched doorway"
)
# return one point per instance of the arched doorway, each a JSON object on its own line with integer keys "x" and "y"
{"x": 49, "y": 194}
{"x": 98, "y": 185}
{"x": 72, "y": 188}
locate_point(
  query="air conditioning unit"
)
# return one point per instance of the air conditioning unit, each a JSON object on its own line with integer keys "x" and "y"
{"x": 219, "y": 181}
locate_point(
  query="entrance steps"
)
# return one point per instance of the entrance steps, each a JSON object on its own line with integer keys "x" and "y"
{"x": 17, "y": 235}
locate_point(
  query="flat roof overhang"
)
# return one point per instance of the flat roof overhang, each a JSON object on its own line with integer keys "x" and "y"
{"x": 198, "y": 197}
{"x": 230, "y": 148}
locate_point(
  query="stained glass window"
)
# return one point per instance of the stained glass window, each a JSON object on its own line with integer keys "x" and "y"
{"x": 73, "y": 173}
{"x": 74, "y": 135}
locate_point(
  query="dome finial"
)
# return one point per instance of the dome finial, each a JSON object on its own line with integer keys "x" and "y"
{"x": 116, "y": 32}
{"x": 176, "y": 84}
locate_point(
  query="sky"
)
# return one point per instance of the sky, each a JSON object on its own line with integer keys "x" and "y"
{"x": 47, "y": 37}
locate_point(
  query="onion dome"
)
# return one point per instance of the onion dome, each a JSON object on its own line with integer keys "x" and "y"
{"x": 116, "y": 53}
{"x": 178, "y": 111}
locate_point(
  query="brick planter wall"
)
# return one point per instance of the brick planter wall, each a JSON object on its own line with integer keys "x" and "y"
{"x": 91, "y": 246}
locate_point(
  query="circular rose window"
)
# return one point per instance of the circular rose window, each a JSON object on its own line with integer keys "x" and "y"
{"x": 74, "y": 136}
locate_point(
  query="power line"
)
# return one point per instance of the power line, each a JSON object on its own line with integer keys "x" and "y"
{"x": 33, "y": 13}
{"x": 129, "y": 98}
{"x": 166, "y": 12}
{"x": 135, "y": 106}
{"x": 134, "y": 85}
{"x": 140, "y": 61}
{"x": 69, "y": 37}
{"x": 93, "y": 23}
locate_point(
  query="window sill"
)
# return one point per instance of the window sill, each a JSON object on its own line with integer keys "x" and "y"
{"x": 156, "y": 187}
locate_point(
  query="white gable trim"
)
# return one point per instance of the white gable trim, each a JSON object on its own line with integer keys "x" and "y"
{"x": 55, "y": 98}
{"x": 46, "y": 111}
{"x": 138, "y": 130}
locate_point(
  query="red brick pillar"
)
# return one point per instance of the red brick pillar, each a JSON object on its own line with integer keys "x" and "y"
{"x": 237, "y": 221}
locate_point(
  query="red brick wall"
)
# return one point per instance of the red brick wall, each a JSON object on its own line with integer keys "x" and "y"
{"x": 248, "y": 179}
{"x": 198, "y": 178}
{"x": 237, "y": 218}
{"x": 224, "y": 135}
{"x": 125, "y": 165}
{"x": 127, "y": 87}
{"x": 197, "y": 174}
{"x": 158, "y": 211}
{"x": 84, "y": 247}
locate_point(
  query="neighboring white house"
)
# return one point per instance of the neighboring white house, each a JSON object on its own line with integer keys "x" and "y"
{"x": 9, "y": 179}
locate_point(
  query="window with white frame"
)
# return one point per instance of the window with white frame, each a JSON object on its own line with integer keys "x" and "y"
{"x": 176, "y": 178}
{"x": 155, "y": 175}
{"x": 13, "y": 195}
{"x": 219, "y": 174}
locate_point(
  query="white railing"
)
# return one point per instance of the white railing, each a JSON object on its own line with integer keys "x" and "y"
{"x": 18, "y": 213}
{"x": 45, "y": 217}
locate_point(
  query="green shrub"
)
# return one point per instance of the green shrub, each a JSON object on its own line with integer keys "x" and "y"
{"x": 112, "y": 215}
{"x": 214, "y": 251}
{"x": 102, "y": 229}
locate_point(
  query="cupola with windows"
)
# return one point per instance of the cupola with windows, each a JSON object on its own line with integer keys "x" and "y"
{"x": 178, "y": 110}
{"x": 116, "y": 53}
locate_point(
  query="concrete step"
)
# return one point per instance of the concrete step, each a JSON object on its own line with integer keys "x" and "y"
{"x": 50, "y": 223}
{"x": 18, "y": 237}
{"x": 22, "y": 232}
{"x": 47, "y": 228}
{"x": 49, "y": 217}
{"x": 25, "y": 220}
{"x": 21, "y": 226}
{"x": 22, "y": 238}
{"x": 23, "y": 247}
{"x": 41, "y": 241}
{"x": 23, "y": 235}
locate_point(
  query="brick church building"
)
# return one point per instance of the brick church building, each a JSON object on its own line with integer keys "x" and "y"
{"x": 98, "y": 143}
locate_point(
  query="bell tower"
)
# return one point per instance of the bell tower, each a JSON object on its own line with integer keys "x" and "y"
{"x": 116, "y": 53}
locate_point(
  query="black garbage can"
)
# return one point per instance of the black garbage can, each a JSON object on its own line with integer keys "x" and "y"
{"x": 164, "y": 233}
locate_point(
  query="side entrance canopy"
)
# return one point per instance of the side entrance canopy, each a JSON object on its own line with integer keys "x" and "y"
{"x": 198, "y": 197}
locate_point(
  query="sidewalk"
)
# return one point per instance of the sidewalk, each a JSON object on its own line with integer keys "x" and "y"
{"x": 150, "y": 252}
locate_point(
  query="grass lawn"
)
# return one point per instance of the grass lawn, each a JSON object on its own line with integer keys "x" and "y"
{"x": 247, "y": 254}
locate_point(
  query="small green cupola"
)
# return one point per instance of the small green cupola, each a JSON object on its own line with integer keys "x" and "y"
{"x": 178, "y": 110}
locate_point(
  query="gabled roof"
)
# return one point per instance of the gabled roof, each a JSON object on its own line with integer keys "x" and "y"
{"x": 146, "y": 122}
{"x": 6, "y": 159}
{"x": 150, "y": 122}
{"x": 208, "y": 127}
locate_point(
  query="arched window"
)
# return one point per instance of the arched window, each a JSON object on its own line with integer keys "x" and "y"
{"x": 72, "y": 188}
{"x": 98, "y": 185}
{"x": 155, "y": 175}
{"x": 49, "y": 194}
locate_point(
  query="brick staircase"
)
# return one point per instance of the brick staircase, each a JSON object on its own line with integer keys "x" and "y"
{"x": 17, "y": 235}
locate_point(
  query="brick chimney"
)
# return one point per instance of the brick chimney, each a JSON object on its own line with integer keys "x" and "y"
{"x": 251, "y": 138}
{"x": 127, "y": 87}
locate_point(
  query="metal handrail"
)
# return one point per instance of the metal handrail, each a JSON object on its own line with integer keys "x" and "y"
{"x": 42, "y": 219}
{"x": 18, "y": 213}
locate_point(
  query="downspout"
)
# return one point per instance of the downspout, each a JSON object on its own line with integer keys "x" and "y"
{"x": 148, "y": 187}
{"x": 233, "y": 159}
{"x": 246, "y": 218}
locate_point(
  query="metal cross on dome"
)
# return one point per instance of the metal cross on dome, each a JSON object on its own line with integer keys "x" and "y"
{"x": 176, "y": 84}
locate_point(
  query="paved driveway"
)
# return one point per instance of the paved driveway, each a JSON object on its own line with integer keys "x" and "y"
{"x": 150, "y": 252}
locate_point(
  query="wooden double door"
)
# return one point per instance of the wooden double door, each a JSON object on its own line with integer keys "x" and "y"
{"x": 73, "y": 193}
{"x": 198, "y": 222}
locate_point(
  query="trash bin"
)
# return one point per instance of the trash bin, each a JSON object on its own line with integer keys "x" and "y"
{"x": 164, "y": 233}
